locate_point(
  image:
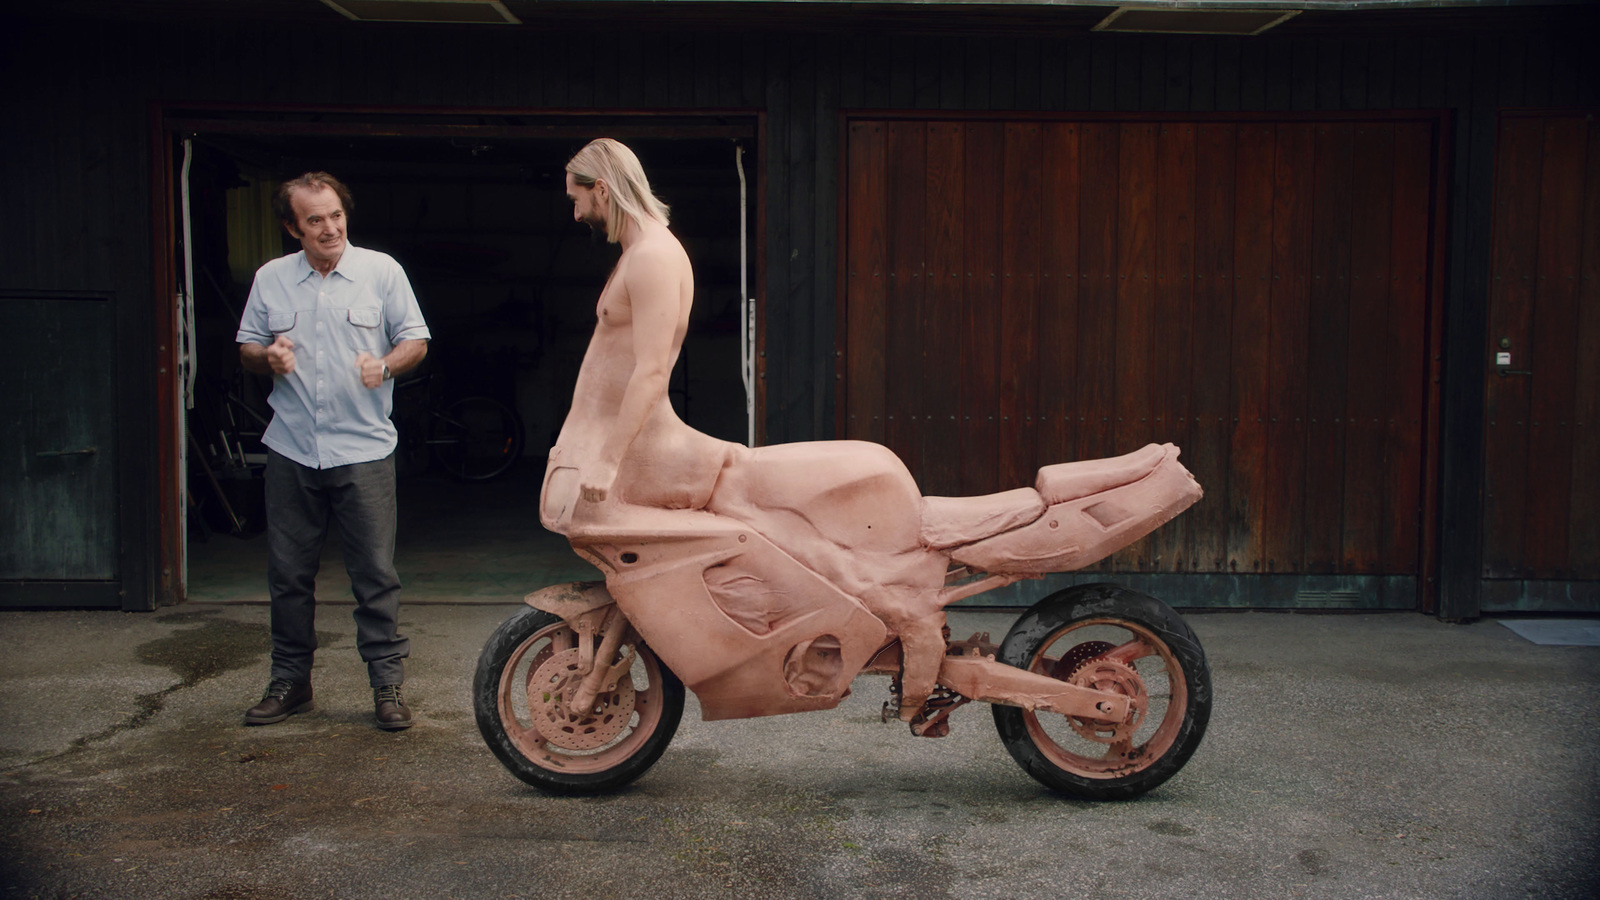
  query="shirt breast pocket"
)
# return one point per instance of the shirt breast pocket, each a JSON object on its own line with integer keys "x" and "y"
{"x": 365, "y": 318}
{"x": 365, "y": 335}
{"x": 279, "y": 323}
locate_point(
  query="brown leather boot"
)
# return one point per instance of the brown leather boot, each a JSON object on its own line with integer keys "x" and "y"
{"x": 390, "y": 708}
{"x": 282, "y": 700}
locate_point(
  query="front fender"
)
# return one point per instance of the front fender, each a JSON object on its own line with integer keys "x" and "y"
{"x": 572, "y": 600}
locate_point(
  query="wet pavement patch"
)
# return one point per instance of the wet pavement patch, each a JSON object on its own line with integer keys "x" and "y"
{"x": 216, "y": 646}
{"x": 211, "y": 648}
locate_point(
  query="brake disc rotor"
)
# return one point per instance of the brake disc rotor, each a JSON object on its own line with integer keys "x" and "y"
{"x": 1073, "y": 660}
{"x": 1110, "y": 675}
{"x": 552, "y": 686}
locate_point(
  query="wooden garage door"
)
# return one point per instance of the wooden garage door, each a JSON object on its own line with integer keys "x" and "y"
{"x": 58, "y": 454}
{"x": 1022, "y": 293}
{"x": 1541, "y": 535}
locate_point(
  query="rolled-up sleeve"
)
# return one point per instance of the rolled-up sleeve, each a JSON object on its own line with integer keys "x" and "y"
{"x": 402, "y": 315}
{"x": 253, "y": 328}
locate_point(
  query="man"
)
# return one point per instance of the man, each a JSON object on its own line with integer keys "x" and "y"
{"x": 623, "y": 445}
{"x": 332, "y": 324}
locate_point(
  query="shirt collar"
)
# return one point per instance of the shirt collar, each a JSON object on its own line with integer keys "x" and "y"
{"x": 345, "y": 268}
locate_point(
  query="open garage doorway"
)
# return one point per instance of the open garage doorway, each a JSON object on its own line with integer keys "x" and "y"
{"x": 507, "y": 281}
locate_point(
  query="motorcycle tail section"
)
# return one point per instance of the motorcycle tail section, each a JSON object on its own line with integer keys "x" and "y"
{"x": 1089, "y": 514}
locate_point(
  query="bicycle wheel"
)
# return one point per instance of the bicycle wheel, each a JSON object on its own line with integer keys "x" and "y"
{"x": 476, "y": 438}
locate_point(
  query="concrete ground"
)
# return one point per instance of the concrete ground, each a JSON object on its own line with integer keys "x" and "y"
{"x": 1348, "y": 756}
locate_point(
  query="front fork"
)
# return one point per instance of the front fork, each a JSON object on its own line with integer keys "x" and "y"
{"x": 590, "y": 612}
{"x": 602, "y": 677}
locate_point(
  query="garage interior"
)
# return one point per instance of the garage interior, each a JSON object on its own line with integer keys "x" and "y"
{"x": 507, "y": 282}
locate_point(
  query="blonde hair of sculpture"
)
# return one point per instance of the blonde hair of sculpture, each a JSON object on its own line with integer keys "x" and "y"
{"x": 604, "y": 159}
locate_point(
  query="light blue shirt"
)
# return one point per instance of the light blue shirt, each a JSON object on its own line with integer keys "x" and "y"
{"x": 323, "y": 416}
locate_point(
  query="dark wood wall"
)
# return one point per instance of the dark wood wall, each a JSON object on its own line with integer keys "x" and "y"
{"x": 1025, "y": 292}
{"x": 77, "y": 156}
{"x": 1542, "y": 466}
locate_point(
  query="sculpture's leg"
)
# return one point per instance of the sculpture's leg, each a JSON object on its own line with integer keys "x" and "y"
{"x": 922, "y": 652}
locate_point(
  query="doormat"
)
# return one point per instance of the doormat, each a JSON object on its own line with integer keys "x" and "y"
{"x": 1557, "y": 632}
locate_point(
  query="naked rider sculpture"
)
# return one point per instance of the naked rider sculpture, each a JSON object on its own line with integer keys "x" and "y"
{"x": 623, "y": 447}
{"x": 627, "y": 470}
{"x": 766, "y": 580}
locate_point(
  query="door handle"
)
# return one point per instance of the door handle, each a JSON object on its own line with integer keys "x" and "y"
{"x": 1502, "y": 360}
{"x": 86, "y": 451}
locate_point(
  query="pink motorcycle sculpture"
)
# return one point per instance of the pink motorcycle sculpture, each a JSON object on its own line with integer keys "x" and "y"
{"x": 762, "y": 603}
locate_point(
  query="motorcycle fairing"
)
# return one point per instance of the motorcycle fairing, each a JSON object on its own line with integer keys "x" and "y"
{"x": 687, "y": 581}
{"x": 755, "y": 630}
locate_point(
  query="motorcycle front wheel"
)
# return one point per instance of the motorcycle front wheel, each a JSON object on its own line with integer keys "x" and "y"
{"x": 526, "y": 673}
{"x": 1109, "y": 638}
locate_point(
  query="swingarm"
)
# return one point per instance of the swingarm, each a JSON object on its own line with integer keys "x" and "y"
{"x": 983, "y": 679}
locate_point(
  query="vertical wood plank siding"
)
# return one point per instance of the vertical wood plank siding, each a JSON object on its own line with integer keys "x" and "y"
{"x": 1542, "y": 475}
{"x": 1304, "y": 349}
{"x": 1584, "y": 536}
{"x": 980, "y": 349}
{"x": 78, "y": 161}
{"x": 1213, "y": 340}
{"x": 867, "y": 278}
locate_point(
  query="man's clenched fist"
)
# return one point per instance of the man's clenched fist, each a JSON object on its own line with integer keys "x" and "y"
{"x": 280, "y": 355}
{"x": 371, "y": 369}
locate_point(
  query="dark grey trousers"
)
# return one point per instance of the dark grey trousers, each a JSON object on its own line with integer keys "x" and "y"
{"x": 300, "y": 503}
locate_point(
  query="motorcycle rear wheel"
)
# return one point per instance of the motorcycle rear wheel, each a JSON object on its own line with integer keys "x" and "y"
{"x": 1108, "y": 637}
{"x": 629, "y": 731}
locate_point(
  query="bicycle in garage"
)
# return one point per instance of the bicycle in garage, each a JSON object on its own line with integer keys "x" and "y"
{"x": 473, "y": 438}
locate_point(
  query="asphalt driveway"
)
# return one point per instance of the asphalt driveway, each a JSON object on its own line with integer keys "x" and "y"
{"x": 1348, "y": 756}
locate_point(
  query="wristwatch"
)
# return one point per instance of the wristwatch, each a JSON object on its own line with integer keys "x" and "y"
{"x": 386, "y": 373}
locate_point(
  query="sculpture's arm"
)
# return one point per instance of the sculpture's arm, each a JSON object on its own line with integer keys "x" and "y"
{"x": 653, "y": 292}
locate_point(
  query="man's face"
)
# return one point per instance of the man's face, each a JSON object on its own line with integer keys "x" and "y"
{"x": 586, "y": 205}
{"x": 319, "y": 223}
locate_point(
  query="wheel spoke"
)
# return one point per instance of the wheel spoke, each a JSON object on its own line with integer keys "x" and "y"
{"x": 1128, "y": 653}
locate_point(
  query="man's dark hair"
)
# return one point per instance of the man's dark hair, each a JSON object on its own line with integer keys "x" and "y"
{"x": 312, "y": 181}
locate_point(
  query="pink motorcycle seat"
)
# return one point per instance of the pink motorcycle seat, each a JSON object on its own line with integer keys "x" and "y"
{"x": 1065, "y": 482}
{"x": 952, "y": 521}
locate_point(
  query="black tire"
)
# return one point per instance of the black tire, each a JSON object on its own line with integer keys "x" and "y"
{"x": 1173, "y": 680}
{"x": 505, "y": 707}
{"x": 476, "y": 438}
